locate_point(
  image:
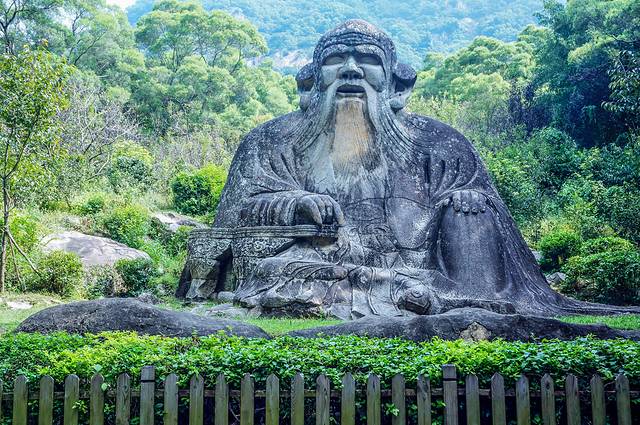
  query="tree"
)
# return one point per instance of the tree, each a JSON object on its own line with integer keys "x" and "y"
{"x": 32, "y": 93}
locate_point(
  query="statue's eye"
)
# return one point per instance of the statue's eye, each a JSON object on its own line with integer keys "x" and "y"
{"x": 334, "y": 60}
{"x": 369, "y": 60}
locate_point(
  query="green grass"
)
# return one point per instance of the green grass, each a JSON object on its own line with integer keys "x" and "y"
{"x": 280, "y": 326}
{"x": 11, "y": 318}
{"x": 624, "y": 321}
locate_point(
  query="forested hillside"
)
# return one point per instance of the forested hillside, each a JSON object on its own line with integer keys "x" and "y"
{"x": 103, "y": 125}
{"x": 417, "y": 26}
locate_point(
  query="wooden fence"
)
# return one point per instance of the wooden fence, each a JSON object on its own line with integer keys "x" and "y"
{"x": 461, "y": 403}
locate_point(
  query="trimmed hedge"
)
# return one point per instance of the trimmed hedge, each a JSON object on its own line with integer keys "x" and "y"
{"x": 60, "y": 354}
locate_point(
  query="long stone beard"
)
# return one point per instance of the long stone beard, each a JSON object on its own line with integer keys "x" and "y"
{"x": 353, "y": 148}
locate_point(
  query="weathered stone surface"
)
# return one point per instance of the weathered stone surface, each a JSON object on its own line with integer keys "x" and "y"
{"x": 172, "y": 221}
{"x": 92, "y": 250}
{"x": 556, "y": 278}
{"x": 221, "y": 310}
{"x": 470, "y": 324}
{"x": 353, "y": 206}
{"x": 127, "y": 314}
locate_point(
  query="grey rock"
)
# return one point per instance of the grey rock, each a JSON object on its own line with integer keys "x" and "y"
{"x": 352, "y": 206}
{"x": 555, "y": 278}
{"x": 470, "y": 324}
{"x": 92, "y": 250}
{"x": 537, "y": 255}
{"x": 225, "y": 296}
{"x": 172, "y": 221}
{"x": 127, "y": 314}
{"x": 148, "y": 298}
{"x": 222, "y": 310}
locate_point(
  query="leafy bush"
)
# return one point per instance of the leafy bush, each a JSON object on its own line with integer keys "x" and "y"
{"x": 59, "y": 273}
{"x": 620, "y": 207}
{"x": 557, "y": 246}
{"x": 198, "y": 192}
{"x": 128, "y": 224}
{"x": 60, "y": 354}
{"x": 131, "y": 167}
{"x": 93, "y": 205}
{"x": 607, "y": 243}
{"x": 611, "y": 277}
{"x": 24, "y": 229}
{"x": 136, "y": 274}
{"x": 103, "y": 281}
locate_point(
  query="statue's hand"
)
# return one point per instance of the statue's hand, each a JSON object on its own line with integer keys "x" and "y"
{"x": 318, "y": 209}
{"x": 469, "y": 201}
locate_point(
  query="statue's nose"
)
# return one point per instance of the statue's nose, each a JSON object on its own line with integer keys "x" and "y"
{"x": 351, "y": 70}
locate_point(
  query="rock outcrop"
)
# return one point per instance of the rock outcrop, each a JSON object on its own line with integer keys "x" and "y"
{"x": 127, "y": 314}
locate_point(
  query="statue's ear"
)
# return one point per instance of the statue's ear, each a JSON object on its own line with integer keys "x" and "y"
{"x": 305, "y": 81}
{"x": 404, "y": 77}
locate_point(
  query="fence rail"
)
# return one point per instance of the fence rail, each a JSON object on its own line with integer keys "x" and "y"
{"x": 461, "y": 404}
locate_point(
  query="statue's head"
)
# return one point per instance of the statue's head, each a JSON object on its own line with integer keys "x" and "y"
{"x": 355, "y": 61}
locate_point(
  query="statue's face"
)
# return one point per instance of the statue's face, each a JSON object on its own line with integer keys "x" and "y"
{"x": 354, "y": 72}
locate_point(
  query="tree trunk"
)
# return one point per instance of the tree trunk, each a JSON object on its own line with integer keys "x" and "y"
{"x": 5, "y": 234}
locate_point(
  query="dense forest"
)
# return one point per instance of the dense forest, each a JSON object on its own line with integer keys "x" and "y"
{"x": 292, "y": 28}
{"x": 103, "y": 124}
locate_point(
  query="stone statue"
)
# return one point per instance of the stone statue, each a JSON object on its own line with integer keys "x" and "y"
{"x": 352, "y": 206}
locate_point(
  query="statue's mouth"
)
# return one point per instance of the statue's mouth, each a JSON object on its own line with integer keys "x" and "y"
{"x": 350, "y": 90}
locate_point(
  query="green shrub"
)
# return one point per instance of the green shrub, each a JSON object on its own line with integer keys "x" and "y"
{"x": 103, "y": 281}
{"x": 93, "y": 205}
{"x": 24, "y": 229}
{"x": 620, "y": 207}
{"x": 59, "y": 273}
{"x": 611, "y": 277}
{"x": 60, "y": 354}
{"x": 198, "y": 192}
{"x": 604, "y": 244}
{"x": 556, "y": 247}
{"x": 178, "y": 242}
{"x": 131, "y": 167}
{"x": 136, "y": 274}
{"x": 128, "y": 224}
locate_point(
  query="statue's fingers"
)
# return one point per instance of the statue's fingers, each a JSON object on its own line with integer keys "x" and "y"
{"x": 328, "y": 212}
{"x": 457, "y": 201}
{"x": 314, "y": 212}
{"x": 321, "y": 207}
{"x": 475, "y": 202}
{"x": 466, "y": 198}
{"x": 337, "y": 213}
{"x": 483, "y": 204}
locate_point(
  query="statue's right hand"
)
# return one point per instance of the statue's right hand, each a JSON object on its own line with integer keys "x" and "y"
{"x": 318, "y": 209}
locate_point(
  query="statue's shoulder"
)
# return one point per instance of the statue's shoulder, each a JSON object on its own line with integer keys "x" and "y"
{"x": 431, "y": 130}
{"x": 273, "y": 130}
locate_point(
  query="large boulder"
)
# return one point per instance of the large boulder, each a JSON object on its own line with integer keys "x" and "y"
{"x": 172, "y": 221}
{"x": 470, "y": 324}
{"x": 92, "y": 250}
{"x": 127, "y": 314}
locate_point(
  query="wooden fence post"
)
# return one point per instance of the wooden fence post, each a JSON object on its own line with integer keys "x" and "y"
{"x": 597, "y": 401}
{"x": 472, "y": 393}
{"x": 273, "y": 401}
{"x": 423, "y": 396}
{"x": 548, "y": 400}
{"x": 450, "y": 394}
{"x": 297, "y": 400}
{"x": 45, "y": 402}
{"x": 123, "y": 399}
{"x": 71, "y": 397}
{"x": 348, "y": 401}
{"x": 373, "y": 400}
{"x": 523, "y": 403}
{"x": 247, "y": 394}
{"x": 20, "y": 397}
{"x": 572, "y": 400}
{"x": 147, "y": 395}
{"x": 171, "y": 400}
{"x": 398, "y": 400}
{"x": 96, "y": 401}
{"x": 196, "y": 400}
{"x": 622, "y": 400}
{"x": 221, "y": 413}
{"x": 498, "y": 408}
{"x": 323, "y": 391}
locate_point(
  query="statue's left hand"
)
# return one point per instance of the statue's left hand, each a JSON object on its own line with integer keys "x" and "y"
{"x": 469, "y": 201}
